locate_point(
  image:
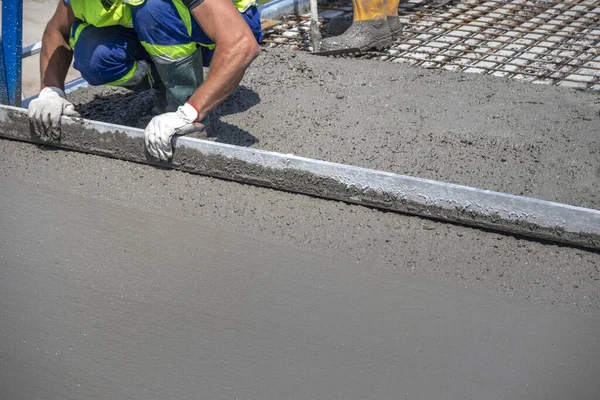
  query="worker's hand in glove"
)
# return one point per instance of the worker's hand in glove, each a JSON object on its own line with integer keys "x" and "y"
{"x": 45, "y": 112}
{"x": 162, "y": 128}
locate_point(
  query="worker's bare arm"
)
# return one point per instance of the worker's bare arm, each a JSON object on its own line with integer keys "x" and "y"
{"x": 236, "y": 49}
{"x": 56, "y": 54}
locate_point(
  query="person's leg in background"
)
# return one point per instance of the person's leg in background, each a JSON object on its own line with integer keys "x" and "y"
{"x": 369, "y": 29}
{"x": 337, "y": 26}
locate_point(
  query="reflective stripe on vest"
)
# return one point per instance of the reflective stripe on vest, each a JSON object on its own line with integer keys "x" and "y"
{"x": 101, "y": 13}
{"x": 244, "y": 5}
{"x": 76, "y": 29}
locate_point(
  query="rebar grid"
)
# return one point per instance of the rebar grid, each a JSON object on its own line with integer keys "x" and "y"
{"x": 550, "y": 42}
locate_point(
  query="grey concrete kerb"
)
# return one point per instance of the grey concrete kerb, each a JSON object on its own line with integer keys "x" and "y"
{"x": 278, "y": 8}
{"x": 438, "y": 200}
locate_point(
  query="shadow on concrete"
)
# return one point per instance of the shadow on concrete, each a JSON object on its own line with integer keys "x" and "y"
{"x": 242, "y": 99}
{"x": 227, "y": 133}
{"x": 239, "y": 101}
{"x": 123, "y": 107}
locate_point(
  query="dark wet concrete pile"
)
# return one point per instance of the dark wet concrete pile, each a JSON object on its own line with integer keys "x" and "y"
{"x": 474, "y": 130}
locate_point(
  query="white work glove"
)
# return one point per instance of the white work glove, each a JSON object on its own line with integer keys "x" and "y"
{"x": 45, "y": 112}
{"x": 162, "y": 128}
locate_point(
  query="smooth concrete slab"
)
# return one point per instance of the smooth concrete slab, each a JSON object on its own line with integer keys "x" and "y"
{"x": 99, "y": 301}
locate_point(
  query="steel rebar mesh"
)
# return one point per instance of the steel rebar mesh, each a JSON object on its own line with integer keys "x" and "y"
{"x": 552, "y": 42}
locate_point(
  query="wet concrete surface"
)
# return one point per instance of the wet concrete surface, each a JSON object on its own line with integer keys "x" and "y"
{"x": 78, "y": 310}
{"x": 105, "y": 301}
{"x": 474, "y": 130}
{"x": 559, "y": 276}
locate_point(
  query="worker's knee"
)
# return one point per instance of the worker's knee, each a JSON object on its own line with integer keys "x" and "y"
{"x": 108, "y": 55}
{"x": 159, "y": 22}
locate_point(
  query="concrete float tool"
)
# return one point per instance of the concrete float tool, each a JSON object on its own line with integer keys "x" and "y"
{"x": 431, "y": 199}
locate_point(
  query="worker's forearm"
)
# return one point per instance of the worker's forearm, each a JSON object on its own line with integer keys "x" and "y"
{"x": 226, "y": 72}
{"x": 55, "y": 59}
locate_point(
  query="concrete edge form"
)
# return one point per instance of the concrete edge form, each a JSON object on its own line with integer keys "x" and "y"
{"x": 277, "y": 8}
{"x": 437, "y": 200}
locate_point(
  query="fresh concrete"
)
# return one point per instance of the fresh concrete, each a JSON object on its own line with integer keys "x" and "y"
{"x": 554, "y": 275}
{"x": 470, "y": 206}
{"x": 436, "y": 125}
{"x": 478, "y": 131}
{"x": 142, "y": 209}
{"x": 107, "y": 302}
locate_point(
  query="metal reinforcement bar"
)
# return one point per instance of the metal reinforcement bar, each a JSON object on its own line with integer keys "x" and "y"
{"x": 438, "y": 200}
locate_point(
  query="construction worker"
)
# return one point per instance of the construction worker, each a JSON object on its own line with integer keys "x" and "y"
{"x": 139, "y": 44}
{"x": 374, "y": 26}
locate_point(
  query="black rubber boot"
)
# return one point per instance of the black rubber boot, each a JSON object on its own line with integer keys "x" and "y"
{"x": 180, "y": 79}
{"x": 362, "y": 36}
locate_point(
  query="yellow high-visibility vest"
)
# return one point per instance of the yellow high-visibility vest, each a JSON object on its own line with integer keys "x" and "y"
{"x": 101, "y": 13}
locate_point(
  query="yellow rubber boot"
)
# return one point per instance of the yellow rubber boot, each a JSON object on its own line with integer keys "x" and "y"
{"x": 391, "y": 7}
{"x": 365, "y": 10}
{"x": 369, "y": 30}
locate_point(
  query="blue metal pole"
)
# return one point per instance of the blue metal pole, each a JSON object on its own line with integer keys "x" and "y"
{"x": 3, "y": 85}
{"x": 12, "y": 43}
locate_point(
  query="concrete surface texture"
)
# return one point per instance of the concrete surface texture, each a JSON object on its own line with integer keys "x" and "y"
{"x": 121, "y": 280}
{"x": 103, "y": 302}
{"x": 567, "y": 278}
{"x": 474, "y": 130}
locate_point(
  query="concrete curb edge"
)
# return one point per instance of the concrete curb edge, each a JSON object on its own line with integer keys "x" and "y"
{"x": 278, "y": 8}
{"x": 437, "y": 200}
